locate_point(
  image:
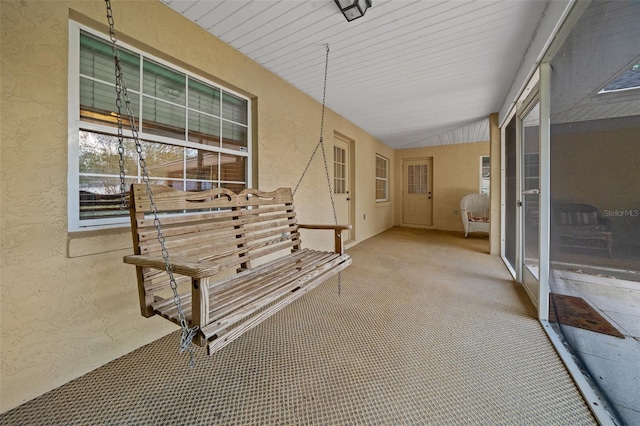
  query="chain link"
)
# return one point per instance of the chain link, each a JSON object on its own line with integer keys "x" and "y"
{"x": 186, "y": 339}
{"x": 320, "y": 144}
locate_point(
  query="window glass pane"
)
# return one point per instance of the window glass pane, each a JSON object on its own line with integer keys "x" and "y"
{"x": 234, "y": 108}
{"x": 380, "y": 190}
{"x": 381, "y": 178}
{"x": 380, "y": 168}
{"x": 98, "y": 154}
{"x": 192, "y": 185}
{"x": 202, "y": 164}
{"x": 485, "y": 174}
{"x": 204, "y": 129}
{"x": 339, "y": 171}
{"x": 235, "y": 187}
{"x": 204, "y": 98}
{"x": 164, "y": 160}
{"x": 100, "y": 196}
{"x": 98, "y": 101}
{"x": 234, "y": 136}
{"x": 161, "y": 118}
{"x": 417, "y": 179}
{"x": 233, "y": 168}
{"x": 163, "y": 83}
{"x": 96, "y": 60}
{"x": 486, "y": 161}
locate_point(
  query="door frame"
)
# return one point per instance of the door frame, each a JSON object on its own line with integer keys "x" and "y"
{"x": 351, "y": 179}
{"x": 540, "y": 93}
{"x": 529, "y": 281}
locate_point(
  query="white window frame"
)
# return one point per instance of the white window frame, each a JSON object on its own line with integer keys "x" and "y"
{"x": 485, "y": 181}
{"x": 384, "y": 179}
{"x": 75, "y": 125}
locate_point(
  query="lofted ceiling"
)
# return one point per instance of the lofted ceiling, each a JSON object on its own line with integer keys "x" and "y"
{"x": 411, "y": 73}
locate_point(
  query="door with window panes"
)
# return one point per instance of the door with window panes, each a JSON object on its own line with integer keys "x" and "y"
{"x": 341, "y": 184}
{"x": 417, "y": 204}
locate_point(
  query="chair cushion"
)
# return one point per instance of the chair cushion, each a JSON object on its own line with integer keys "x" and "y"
{"x": 474, "y": 218}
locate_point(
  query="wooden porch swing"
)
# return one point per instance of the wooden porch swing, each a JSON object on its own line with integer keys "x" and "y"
{"x": 240, "y": 253}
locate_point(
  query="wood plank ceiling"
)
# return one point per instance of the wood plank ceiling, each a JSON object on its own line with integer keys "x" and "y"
{"x": 409, "y": 72}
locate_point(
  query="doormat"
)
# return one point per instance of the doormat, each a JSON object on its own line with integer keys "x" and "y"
{"x": 576, "y": 312}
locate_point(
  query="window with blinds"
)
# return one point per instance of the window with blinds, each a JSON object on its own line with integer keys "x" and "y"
{"x": 382, "y": 178}
{"x": 194, "y": 134}
{"x": 485, "y": 174}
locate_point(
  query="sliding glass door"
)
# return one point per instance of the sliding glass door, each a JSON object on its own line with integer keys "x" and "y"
{"x": 530, "y": 199}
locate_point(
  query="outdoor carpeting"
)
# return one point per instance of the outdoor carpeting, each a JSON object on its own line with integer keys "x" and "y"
{"x": 428, "y": 329}
{"x": 576, "y": 312}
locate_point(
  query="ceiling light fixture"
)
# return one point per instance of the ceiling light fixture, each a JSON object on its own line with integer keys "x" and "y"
{"x": 353, "y": 9}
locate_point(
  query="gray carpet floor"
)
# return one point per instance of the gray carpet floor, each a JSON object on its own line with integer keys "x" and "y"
{"x": 427, "y": 329}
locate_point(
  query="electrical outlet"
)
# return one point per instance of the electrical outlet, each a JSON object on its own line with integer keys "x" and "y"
{"x": 364, "y": 216}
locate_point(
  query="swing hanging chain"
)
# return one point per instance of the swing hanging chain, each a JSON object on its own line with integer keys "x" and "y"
{"x": 186, "y": 339}
{"x": 118, "y": 75}
{"x": 321, "y": 141}
{"x": 320, "y": 144}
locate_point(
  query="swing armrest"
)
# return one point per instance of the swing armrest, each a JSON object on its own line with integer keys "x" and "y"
{"x": 189, "y": 268}
{"x": 337, "y": 229}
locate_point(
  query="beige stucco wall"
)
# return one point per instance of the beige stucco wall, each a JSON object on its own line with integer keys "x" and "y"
{"x": 68, "y": 302}
{"x": 456, "y": 172}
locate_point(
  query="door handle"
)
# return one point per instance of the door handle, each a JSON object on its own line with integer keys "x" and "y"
{"x": 348, "y": 199}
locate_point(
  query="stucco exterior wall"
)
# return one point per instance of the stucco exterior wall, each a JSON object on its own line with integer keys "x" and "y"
{"x": 69, "y": 304}
{"x": 456, "y": 172}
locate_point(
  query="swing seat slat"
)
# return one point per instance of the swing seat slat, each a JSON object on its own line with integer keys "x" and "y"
{"x": 240, "y": 254}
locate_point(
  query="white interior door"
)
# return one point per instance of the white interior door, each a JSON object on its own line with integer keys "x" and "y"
{"x": 417, "y": 203}
{"x": 342, "y": 183}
